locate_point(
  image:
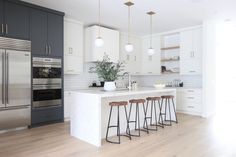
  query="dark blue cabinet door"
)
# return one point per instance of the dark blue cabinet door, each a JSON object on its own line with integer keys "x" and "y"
{"x": 38, "y": 32}
{"x": 16, "y": 20}
{"x": 55, "y": 35}
{"x": 1, "y": 18}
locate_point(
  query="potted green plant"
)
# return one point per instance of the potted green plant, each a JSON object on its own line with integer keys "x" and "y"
{"x": 108, "y": 72}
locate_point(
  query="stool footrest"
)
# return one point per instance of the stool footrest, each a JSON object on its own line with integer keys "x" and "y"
{"x": 131, "y": 121}
{"x": 114, "y": 142}
{"x": 113, "y": 126}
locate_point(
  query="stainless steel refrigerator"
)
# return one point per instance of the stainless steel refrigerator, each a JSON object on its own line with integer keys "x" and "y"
{"x": 15, "y": 83}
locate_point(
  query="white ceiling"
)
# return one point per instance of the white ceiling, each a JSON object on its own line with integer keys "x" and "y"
{"x": 171, "y": 14}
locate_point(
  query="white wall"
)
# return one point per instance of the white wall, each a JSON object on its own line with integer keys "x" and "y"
{"x": 209, "y": 64}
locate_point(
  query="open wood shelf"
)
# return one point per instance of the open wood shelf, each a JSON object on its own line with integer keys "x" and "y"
{"x": 170, "y": 72}
{"x": 170, "y": 48}
{"x": 170, "y": 60}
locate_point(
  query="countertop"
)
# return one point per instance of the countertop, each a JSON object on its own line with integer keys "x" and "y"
{"x": 122, "y": 92}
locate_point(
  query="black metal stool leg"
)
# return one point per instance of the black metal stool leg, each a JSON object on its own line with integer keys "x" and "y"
{"x": 146, "y": 109}
{"x": 160, "y": 114}
{"x": 165, "y": 108}
{"x": 155, "y": 110}
{"x": 128, "y": 128}
{"x": 169, "y": 112}
{"x": 118, "y": 123}
{"x": 145, "y": 118}
{"x": 108, "y": 126}
{"x": 176, "y": 119}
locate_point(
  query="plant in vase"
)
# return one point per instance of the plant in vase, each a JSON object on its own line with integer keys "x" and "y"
{"x": 108, "y": 72}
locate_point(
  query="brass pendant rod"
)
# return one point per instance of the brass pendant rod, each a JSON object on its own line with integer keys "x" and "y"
{"x": 99, "y": 18}
{"x": 128, "y": 24}
{"x": 151, "y": 13}
{"x": 129, "y": 4}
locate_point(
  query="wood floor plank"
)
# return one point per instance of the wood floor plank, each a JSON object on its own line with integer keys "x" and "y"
{"x": 192, "y": 137}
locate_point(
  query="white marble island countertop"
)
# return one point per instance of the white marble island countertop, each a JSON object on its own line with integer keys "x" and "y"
{"x": 123, "y": 92}
{"x": 90, "y": 109}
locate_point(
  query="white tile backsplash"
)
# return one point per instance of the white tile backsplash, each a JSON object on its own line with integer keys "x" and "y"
{"x": 189, "y": 81}
{"x": 83, "y": 81}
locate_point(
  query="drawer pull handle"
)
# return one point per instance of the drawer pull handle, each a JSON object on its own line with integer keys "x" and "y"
{"x": 190, "y": 106}
{"x": 190, "y": 97}
{"x": 191, "y": 91}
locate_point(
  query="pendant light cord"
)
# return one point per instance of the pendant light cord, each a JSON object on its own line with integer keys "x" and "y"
{"x": 99, "y": 18}
{"x": 128, "y": 24}
{"x": 150, "y": 31}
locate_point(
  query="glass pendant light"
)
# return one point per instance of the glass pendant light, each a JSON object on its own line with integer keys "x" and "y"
{"x": 129, "y": 47}
{"x": 151, "y": 50}
{"x": 99, "y": 41}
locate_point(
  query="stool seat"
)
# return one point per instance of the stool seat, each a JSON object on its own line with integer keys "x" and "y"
{"x": 137, "y": 101}
{"x": 167, "y": 97}
{"x": 153, "y": 98}
{"x": 118, "y": 103}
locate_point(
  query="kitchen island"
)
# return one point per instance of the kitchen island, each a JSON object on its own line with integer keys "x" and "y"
{"x": 90, "y": 111}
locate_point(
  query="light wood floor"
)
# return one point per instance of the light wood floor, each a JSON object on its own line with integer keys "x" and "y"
{"x": 192, "y": 137}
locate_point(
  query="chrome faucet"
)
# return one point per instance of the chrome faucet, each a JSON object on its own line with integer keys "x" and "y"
{"x": 129, "y": 78}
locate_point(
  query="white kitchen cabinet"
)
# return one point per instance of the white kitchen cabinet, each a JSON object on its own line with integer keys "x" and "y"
{"x": 132, "y": 59}
{"x": 191, "y": 52}
{"x": 73, "y": 47}
{"x": 68, "y": 100}
{"x": 111, "y": 45}
{"x": 189, "y": 101}
{"x": 151, "y": 64}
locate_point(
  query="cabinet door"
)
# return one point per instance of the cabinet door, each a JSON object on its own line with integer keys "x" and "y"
{"x": 17, "y": 21}
{"x": 73, "y": 38}
{"x": 1, "y": 18}
{"x": 38, "y": 32}
{"x": 191, "y": 52}
{"x": 67, "y": 103}
{"x": 186, "y": 45}
{"x": 55, "y": 35}
{"x": 197, "y": 44}
{"x": 132, "y": 59}
{"x": 111, "y": 45}
{"x": 73, "y": 65}
{"x": 151, "y": 64}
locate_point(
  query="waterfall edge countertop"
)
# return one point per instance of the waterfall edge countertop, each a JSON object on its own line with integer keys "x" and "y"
{"x": 123, "y": 92}
{"x": 90, "y": 109}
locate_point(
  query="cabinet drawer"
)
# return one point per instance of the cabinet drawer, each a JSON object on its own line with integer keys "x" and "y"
{"x": 46, "y": 115}
{"x": 189, "y": 96}
{"x": 195, "y": 108}
{"x": 189, "y": 108}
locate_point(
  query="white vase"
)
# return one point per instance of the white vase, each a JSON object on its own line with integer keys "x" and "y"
{"x": 109, "y": 86}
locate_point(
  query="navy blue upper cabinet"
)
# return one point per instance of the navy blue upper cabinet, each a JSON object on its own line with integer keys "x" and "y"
{"x": 46, "y": 33}
{"x": 38, "y": 32}
{"x": 1, "y": 18}
{"x": 14, "y": 20}
{"x": 55, "y": 35}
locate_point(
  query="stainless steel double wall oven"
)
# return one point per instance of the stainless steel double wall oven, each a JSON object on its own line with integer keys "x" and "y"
{"x": 47, "y": 82}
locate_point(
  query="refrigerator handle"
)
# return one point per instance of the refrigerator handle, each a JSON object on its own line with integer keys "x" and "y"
{"x": 3, "y": 78}
{"x": 7, "y": 77}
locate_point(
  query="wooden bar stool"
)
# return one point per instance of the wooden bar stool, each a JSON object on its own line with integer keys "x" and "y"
{"x": 167, "y": 99}
{"x": 137, "y": 117}
{"x": 153, "y": 104}
{"x": 118, "y": 105}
